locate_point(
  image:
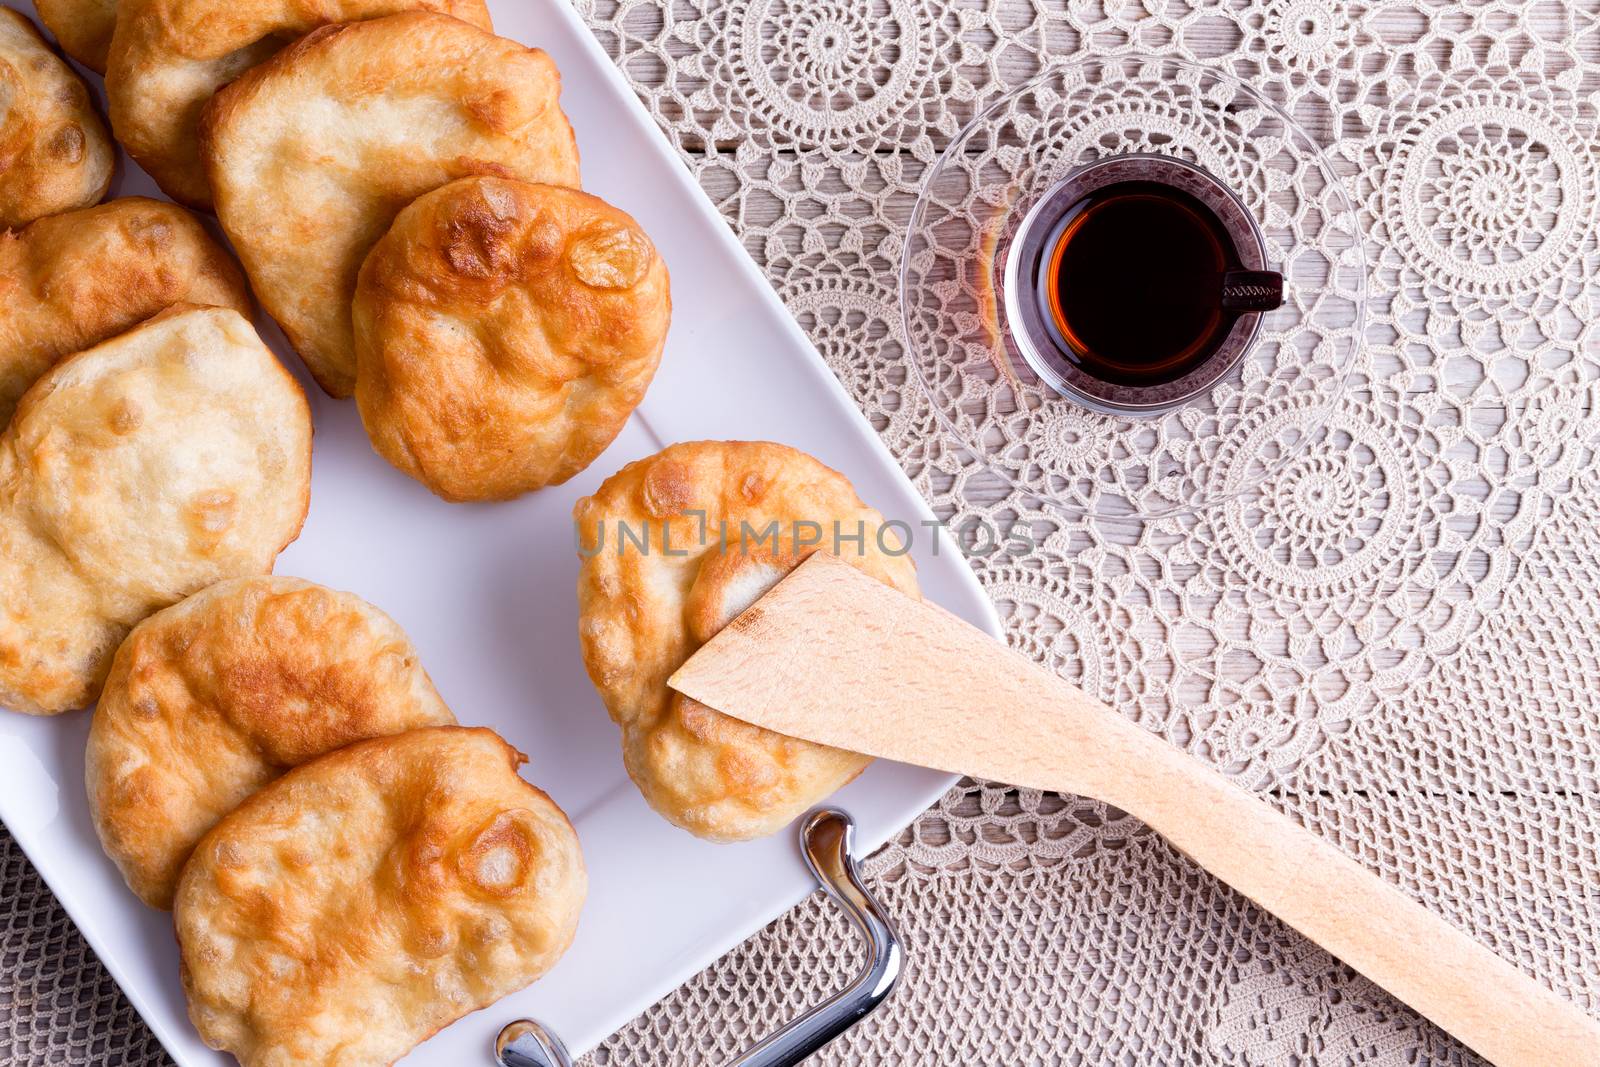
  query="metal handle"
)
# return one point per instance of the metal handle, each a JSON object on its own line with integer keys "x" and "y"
{"x": 827, "y": 839}
{"x": 526, "y": 1043}
{"x": 1252, "y": 290}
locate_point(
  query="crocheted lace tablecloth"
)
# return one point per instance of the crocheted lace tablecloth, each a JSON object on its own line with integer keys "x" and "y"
{"x": 1396, "y": 639}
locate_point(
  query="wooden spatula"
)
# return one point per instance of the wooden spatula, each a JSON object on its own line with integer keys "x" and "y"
{"x": 833, "y": 656}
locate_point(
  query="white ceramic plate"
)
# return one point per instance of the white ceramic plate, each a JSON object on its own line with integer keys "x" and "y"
{"x": 487, "y": 592}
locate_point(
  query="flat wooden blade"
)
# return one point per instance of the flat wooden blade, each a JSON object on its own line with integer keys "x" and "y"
{"x": 834, "y": 656}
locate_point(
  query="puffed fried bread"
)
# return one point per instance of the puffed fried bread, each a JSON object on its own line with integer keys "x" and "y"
{"x": 70, "y": 281}
{"x": 169, "y": 56}
{"x": 133, "y": 474}
{"x": 82, "y": 28}
{"x": 723, "y": 522}
{"x": 214, "y": 697}
{"x": 504, "y": 333}
{"x": 55, "y": 154}
{"x": 361, "y": 902}
{"x": 312, "y": 154}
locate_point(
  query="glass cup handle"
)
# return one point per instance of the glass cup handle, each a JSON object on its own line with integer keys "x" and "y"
{"x": 827, "y": 839}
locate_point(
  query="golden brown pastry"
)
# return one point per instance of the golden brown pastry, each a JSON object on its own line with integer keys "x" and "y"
{"x": 505, "y": 331}
{"x": 365, "y": 900}
{"x": 169, "y": 56}
{"x": 216, "y": 696}
{"x": 149, "y": 467}
{"x": 54, "y": 152}
{"x": 82, "y": 28}
{"x": 71, "y": 281}
{"x": 724, "y": 521}
{"x": 312, "y": 154}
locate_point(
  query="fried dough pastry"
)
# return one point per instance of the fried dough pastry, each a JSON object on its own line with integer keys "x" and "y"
{"x": 504, "y": 333}
{"x": 82, "y": 28}
{"x": 169, "y": 56}
{"x": 724, "y": 521}
{"x": 147, "y": 468}
{"x": 365, "y": 900}
{"x": 214, "y": 697}
{"x": 54, "y": 151}
{"x": 71, "y": 281}
{"x": 312, "y": 154}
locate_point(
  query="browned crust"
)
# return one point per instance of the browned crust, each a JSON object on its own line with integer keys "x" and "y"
{"x": 74, "y": 280}
{"x": 505, "y": 331}
{"x": 214, "y": 697}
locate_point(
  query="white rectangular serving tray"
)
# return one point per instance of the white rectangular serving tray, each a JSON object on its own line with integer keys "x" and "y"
{"x": 488, "y": 594}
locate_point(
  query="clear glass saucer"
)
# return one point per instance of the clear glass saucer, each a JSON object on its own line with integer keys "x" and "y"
{"x": 1221, "y": 442}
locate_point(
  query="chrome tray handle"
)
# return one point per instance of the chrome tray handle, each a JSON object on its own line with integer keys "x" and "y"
{"x": 526, "y": 1043}
{"x": 827, "y": 838}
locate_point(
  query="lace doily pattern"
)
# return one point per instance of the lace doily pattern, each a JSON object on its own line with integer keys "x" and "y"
{"x": 814, "y": 71}
{"x": 1490, "y": 187}
{"x": 1394, "y": 636}
{"x": 58, "y": 1005}
{"x": 1292, "y": 1003}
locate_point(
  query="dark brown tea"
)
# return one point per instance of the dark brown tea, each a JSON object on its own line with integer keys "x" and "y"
{"x": 1146, "y": 282}
{"x": 1131, "y": 283}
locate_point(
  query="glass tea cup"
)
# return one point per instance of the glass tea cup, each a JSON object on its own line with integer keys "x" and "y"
{"x": 1000, "y": 368}
{"x": 1137, "y": 282}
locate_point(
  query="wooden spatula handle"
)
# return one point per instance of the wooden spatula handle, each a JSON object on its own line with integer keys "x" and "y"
{"x": 831, "y": 655}
{"x": 1315, "y": 887}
